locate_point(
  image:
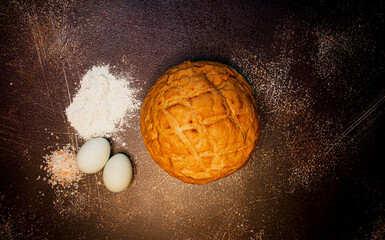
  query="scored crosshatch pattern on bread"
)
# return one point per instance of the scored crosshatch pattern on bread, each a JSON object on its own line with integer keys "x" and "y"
{"x": 199, "y": 121}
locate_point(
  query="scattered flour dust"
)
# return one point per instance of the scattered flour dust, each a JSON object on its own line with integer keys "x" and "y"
{"x": 102, "y": 104}
{"x": 282, "y": 101}
{"x": 279, "y": 98}
{"x": 285, "y": 105}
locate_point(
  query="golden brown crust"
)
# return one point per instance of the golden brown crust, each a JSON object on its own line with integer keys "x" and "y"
{"x": 199, "y": 122}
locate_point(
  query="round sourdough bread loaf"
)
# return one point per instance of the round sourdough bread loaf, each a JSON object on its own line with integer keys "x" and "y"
{"x": 199, "y": 122}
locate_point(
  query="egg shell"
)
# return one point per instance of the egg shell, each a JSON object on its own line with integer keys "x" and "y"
{"x": 117, "y": 173}
{"x": 93, "y": 155}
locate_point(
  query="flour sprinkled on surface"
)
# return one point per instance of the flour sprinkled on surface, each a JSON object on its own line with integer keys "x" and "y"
{"x": 102, "y": 104}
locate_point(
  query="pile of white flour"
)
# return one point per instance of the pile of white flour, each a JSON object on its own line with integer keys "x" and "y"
{"x": 101, "y": 104}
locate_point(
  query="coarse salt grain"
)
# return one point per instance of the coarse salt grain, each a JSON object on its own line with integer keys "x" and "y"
{"x": 61, "y": 167}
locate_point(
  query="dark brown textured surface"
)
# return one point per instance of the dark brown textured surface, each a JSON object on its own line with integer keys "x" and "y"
{"x": 317, "y": 71}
